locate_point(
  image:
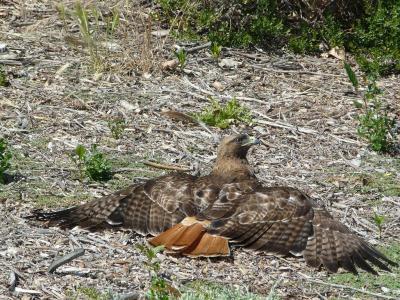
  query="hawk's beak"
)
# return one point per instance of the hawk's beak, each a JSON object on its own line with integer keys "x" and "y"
{"x": 251, "y": 141}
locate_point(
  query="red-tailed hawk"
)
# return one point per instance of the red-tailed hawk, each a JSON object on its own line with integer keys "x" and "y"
{"x": 200, "y": 216}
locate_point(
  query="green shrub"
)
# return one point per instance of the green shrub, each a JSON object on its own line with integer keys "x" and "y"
{"x": 92, "y": 163}
{"x": 376, "y": 38}
{"x": 224, "y": 116}
{"x": 306, "y": 41}
{"x": 369, "y": 29}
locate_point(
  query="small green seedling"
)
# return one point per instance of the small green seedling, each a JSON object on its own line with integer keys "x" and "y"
{"x": 160, "y": 289}
{"x": 352, "y": 76}
{"x": 216, "y": 50}
{"x": 3, "y": 78}
{"x": 5, "y": 158}
{"x": 379, "y": 220}
{"x": 181, "y": 55}
{"x": 79, "y": 157}
{"x": 97, "y": 166}
{"x": 375, "y": 124}
{"x": 117, "y": 127}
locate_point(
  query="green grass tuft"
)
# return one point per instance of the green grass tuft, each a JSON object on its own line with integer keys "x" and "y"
{"x": 89, "y": 293}
{"x": 5, "y": 159}
{"x": 203, "y": 290}
{"x": 3, "y": 78}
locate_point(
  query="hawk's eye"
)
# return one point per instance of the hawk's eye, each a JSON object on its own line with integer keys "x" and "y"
{"x": 240, "y": 138}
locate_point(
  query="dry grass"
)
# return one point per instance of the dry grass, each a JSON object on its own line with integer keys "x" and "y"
{"x": 303, "y": 111}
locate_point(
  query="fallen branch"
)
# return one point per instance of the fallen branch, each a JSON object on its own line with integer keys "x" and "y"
{"x": 287, "y": 126}
{"x": 200, "y": 47}
{"x": 167, "y": 167}
{"x": 65, "y": 259}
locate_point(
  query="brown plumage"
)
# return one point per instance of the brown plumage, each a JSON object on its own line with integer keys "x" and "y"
{"x": 200, "y": 216}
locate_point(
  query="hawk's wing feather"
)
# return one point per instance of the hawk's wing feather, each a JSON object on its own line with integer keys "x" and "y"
{"x": 151, "y": 207}
{"x": 284, "y": 220}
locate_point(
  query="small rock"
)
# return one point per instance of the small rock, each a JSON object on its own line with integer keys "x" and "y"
{"x": 356, "y": 162}
{"x": 338, "y": 52}
{"x": 385, "y": 289}
{"x": 160, "y": 33}
{"x": 229, "y": 63}
{"x": 3, "y": 47}
{"x": 111, "y": 46}
{"x": 331, "y": 122}
{"x": 218, "y": 86}
{"x": 146, "y": 75}
{"x": 170, "y": 64}
{"x": 128, "y": 106}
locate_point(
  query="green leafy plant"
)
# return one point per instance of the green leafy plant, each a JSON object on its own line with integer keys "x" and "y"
{"x": 3, "y": 78}
{"x": 92, "y": 163}
{"x": 117, "y": 127}
{"x": 160, "y": 289}
{"x": 224, "y": 116}
{"x": 374, "y": 124}
{"x": 97, "y": 166}
{"x": 379, "y": 220}
{"x": 215, "y": 50}
{"x": 5, "y": 158}
{"x": 181, "y": 55}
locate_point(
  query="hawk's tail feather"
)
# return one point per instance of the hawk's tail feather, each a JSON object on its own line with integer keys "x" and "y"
{"x": 179, "y": 236}
{"x": 191, "y": 239}
{"x": 209, "y": 246}
{"x": 63, "y": 218}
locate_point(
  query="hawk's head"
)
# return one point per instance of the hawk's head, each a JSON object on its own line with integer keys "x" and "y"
{"x": 236, "y": 145}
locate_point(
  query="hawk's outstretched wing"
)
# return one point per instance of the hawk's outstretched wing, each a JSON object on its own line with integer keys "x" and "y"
{"x": 284, "y": 220}
{"x": 147, "y": 208}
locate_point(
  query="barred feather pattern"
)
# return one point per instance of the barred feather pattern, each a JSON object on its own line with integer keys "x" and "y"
{"x": 284, "y": 220}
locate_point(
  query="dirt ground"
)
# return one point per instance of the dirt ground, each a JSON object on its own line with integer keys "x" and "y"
{"x": 302, "y": 109}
